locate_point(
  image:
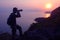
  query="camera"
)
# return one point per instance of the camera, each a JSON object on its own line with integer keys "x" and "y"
{"x": 20, "y": 10}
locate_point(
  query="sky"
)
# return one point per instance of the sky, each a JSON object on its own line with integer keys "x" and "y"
{"x": 31, "y": 10}
{"x": 29, "y": 4}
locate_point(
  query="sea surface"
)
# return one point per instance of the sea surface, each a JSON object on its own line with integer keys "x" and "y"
{"x": 27, "y": 18}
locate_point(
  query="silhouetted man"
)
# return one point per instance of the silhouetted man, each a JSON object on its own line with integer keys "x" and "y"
{"x": 12, "y": 22}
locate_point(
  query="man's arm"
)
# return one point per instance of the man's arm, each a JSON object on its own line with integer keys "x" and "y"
{"x": 18, "y": 14}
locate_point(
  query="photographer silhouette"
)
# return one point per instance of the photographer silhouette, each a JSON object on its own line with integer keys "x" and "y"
{"x": 12, "y": 22}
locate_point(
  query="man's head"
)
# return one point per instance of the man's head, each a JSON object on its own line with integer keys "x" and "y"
{"x": 15, "y": 10}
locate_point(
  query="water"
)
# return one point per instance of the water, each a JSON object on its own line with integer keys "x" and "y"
{"x": 27, "y": 18}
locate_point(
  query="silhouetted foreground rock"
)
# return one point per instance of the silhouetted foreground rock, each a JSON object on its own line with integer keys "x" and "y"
{"x": 5, "y": 36}
{"x": 45, "y": 28}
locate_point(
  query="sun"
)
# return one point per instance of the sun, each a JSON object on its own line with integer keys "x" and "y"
{"x": 48, "y": 5}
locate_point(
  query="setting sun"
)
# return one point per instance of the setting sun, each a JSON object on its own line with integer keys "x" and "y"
{"x": 48, "y": 5}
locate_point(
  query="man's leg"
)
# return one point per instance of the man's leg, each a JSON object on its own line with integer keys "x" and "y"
{"x": 20, "y": 29}
{"x": 13, "y": 32}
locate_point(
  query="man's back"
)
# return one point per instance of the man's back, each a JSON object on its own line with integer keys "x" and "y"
{"x": 11, "y": 19}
